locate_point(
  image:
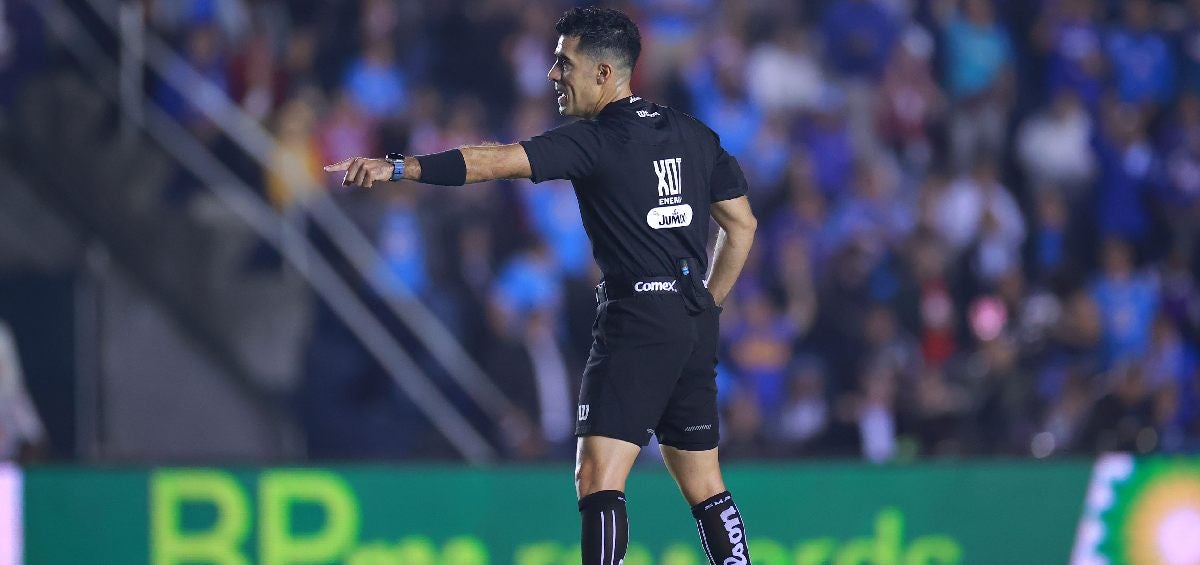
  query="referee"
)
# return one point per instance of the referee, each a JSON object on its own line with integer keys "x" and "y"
{"x": 647, "y": 178}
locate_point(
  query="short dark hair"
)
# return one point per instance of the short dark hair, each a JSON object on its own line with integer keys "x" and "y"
{"x": 603, "y": 31}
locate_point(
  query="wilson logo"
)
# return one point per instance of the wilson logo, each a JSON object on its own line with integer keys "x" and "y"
{"x": 666, "y": 217}
{"x": 733, "y": 529}
{"x": 669, "y": 181}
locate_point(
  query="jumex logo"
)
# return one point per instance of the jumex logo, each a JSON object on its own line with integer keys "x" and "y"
{"x": 671, "y": 211}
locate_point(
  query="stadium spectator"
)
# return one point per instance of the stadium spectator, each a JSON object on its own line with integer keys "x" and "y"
{"x": 979, "y": 79}
{"x": 1072, "y": 36}
{"x": 1142, "y": 62}
{"x": 1051, "y": 237}
{"x": 402, "y": 246}
{"x": 376, "y": 82}
{"x": 1127, "y": 300}
{"x": 761, "y": 340}
{"x": 1054, "y": 145}
{"x": 859, "y": 37}
{"x": 826, "y": 137}
{"x": 805, "y": 414}
{"x": 875, "y": 413}
{"x": 1181, "y": 156}
{"x": 1129, "y": 173}
{"x": 910, "y": 101}
{"x": 784, "y": 73}
{"x": 977, "y": 209}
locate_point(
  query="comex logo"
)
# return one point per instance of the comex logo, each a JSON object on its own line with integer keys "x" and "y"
{"x": 584, "y": 410}
{"x": 654, "y": 286}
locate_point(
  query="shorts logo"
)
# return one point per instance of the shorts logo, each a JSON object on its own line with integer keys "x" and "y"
{"x": 655, "y": 286}
{"x": 667, "y": 217}
{"x": 584, "y": 410}
{"x": 698, "y": 427}
{"x": 733, "y": 529}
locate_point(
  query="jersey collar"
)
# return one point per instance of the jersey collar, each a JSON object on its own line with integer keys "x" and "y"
{"x": 626, "y": 104}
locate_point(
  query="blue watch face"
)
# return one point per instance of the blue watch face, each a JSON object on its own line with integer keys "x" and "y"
{"x": 397, "y": 168}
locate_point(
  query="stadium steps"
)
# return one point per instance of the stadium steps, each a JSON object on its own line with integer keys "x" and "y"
{"x": 250, "y": 324}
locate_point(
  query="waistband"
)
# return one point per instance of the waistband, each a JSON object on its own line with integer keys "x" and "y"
{"x": 618, "y": 289}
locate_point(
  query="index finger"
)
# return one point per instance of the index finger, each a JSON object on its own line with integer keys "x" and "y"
{"x": 339, "y": 166}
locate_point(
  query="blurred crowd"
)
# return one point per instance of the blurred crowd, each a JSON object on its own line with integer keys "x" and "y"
{"x": 978, "y": 220}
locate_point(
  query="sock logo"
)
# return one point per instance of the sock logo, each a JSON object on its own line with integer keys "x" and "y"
{"x": 733, "y": 529}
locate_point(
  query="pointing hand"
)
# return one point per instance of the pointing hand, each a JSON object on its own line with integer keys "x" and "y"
{"x": 362, "y": 171}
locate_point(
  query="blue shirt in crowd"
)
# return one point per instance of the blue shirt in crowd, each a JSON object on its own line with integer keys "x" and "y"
{"x": 859, "y": 35}
{"x": 378, "y": 90}
{"x": 554, "y": 212}
{"x": 976, "y": 56}
{"x": 403, "y": 252}
{"x": 1142, "y": 66}
{"x": 1127, "y": 310}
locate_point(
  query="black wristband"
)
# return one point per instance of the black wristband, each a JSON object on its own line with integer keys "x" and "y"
{"x": 447, "y": 168}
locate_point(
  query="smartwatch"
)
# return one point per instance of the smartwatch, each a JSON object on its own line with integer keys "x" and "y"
{"x": 397, "y": 161}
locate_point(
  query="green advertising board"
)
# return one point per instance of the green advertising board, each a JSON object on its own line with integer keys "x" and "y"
{"x": 1141, "y": 511}
{"x": 797, "y": 515}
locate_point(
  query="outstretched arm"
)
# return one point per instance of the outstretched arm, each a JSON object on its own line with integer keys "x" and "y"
{"x": 733, "y": 244}
{"x": 483, "y": 163}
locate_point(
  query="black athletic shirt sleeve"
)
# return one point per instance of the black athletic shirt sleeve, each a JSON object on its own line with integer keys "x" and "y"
{"x": 728, "y": 181}
{"x": 566, "y": 152}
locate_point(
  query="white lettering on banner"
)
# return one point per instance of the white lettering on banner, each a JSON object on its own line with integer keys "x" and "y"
{"x": 654, "y": 286}
{"x": 667, "y": 171}
{"x": 733, "y": 529}
{"x": 667, "y": 217}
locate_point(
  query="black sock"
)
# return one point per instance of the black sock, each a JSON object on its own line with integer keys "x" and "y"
{"x": 721, "y": 531}
{"x": 605, "y": 534}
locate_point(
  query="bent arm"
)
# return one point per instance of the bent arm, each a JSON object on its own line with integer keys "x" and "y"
{"x": 738, "y": 225}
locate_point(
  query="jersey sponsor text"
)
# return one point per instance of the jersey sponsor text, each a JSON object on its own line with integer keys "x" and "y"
{"x": 733, "y": 528}
{"x": 666, "y": 217}
{"x": 669, "y": 181}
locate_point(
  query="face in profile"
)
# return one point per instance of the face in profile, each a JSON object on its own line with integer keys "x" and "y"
{"x": 570, "y": 76}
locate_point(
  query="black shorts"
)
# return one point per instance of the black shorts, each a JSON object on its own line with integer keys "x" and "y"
{"x": 651, "y": 371}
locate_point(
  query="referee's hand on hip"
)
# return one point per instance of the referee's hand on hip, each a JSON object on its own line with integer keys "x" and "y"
{"x": 362, "y": 171}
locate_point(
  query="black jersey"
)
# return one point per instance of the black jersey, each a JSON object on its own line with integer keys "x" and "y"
{"x": 645, "y": 176}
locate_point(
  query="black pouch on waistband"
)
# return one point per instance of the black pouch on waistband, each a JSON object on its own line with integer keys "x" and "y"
{"x": 691, "y": 281}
